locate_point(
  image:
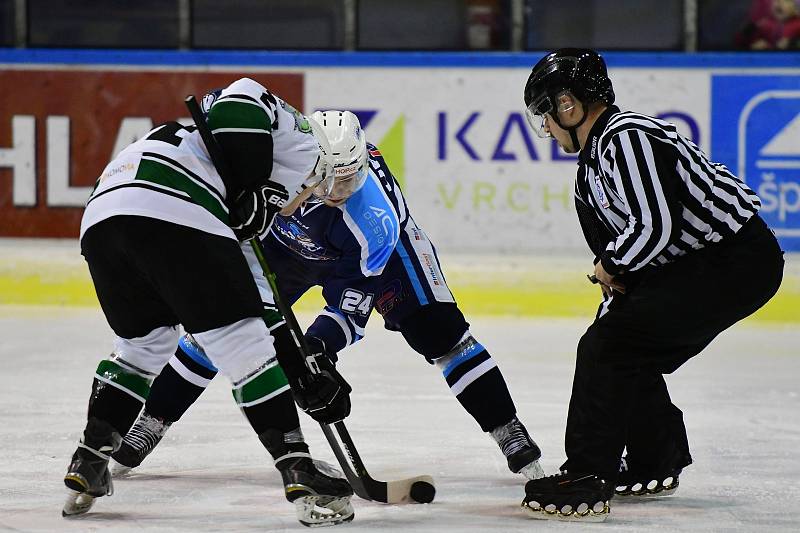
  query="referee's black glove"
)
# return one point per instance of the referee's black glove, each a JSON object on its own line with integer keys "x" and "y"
{"x": 253, "y": 211}
{"x": 322, "y": 393}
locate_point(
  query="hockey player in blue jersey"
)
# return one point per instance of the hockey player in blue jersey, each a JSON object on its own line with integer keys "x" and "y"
{"x": 357, "y": 240}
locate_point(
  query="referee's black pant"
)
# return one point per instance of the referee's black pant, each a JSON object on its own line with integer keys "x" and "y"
{"x": 668, "y": 315}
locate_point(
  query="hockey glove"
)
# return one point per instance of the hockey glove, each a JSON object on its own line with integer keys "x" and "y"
{"x": 322, "y": 393}
{"x": 254, "y": 210}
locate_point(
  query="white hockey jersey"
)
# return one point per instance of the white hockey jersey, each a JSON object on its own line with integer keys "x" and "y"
{"x": 168, "y": 175}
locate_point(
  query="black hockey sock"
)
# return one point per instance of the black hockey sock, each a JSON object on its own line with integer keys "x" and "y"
{"x": 180, "y": 383}
{"x": 285, "y": 447}
{"x": 266, "y": 399}
{"x": 478, "y": 384}
{"x": 278, "y": 412}
{"x": 118, "y": 392}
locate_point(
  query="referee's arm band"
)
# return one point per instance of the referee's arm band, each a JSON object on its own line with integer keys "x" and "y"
{"x": 609, "y": 265}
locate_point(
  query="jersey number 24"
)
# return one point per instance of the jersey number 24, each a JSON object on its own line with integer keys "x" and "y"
{"x": 356, "y": 302}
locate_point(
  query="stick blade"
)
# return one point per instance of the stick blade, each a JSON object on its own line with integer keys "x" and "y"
{"x": 419, "y": 489}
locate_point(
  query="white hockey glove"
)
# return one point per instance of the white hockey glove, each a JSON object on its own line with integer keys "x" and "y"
{"x": 254, "y": 210}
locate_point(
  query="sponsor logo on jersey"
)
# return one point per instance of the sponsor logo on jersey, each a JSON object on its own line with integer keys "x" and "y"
{"x": 300, "y": 121}
{"x": 119, "y": 169}
{"x": 433, "y": 272}
{"x": 601, "y": 193}
{"x": 391, "y": 295}
{"x": 294, "y": 237}
{"x": 756, "y": 134}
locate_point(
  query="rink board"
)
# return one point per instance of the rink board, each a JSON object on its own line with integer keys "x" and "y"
{"x": 52, "y": 272}
{"x": 495, "y": 199}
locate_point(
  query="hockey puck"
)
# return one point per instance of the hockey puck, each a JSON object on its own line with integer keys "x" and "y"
{"x": 422, "y": 492}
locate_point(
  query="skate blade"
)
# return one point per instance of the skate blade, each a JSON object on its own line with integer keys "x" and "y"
{"x": 119, "y": 470}
{"x": 77, "y": 503}
{"x": 654, "y": 489}
{"x": 532, "y": 471}
{"x": 322, "y": 511}
{"x": 598, "y": 513}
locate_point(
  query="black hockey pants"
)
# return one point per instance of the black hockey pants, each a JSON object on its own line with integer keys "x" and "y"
{"x": 668, "y": 315}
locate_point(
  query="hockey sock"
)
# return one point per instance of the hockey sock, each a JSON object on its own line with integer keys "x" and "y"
{"x": 284, "y": 445}
{"x": 266, "y": 399}
{"x": 181, "y": 382}
{"x": 118, "y": 391}
{"x": 477, "y": 383}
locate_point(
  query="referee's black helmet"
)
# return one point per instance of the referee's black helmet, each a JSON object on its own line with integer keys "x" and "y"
{"x": 578, "y": 70}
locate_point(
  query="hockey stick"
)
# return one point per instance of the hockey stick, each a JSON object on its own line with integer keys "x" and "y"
{"x": 420, "y": 488}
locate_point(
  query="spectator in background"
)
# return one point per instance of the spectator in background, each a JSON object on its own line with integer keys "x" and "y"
{"x": 776, "y": 28}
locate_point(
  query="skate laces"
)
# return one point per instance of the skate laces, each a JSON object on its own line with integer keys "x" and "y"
{"x": 511, "y": 437}
{"x": 146, "y": 433}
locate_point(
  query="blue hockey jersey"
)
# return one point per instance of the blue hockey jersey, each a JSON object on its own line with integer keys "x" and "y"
{"x": 356, "y": 252}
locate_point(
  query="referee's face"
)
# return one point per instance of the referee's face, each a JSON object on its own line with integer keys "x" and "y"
{"x": 570, "y": 113}
{"x": 561, "y": 135}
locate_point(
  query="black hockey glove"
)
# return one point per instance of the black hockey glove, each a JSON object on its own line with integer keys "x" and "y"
{"x": 323, "y": 395}
{"x": 254, "y": 210}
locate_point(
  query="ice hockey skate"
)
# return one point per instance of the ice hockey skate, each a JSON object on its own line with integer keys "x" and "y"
{"x": 521, "y": 452}
{"x": 637, "y": 482}
{"x": 570, "y": 497}
{"x": 87, "y": 476}
{"x": 319, "y": 492}
{"x": 137, "y": 444}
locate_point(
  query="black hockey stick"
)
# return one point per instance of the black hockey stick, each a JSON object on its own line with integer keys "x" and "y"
{"x": 420, "y": 488}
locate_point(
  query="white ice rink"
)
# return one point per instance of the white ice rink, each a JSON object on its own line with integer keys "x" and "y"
{"x": 740, "y": 400}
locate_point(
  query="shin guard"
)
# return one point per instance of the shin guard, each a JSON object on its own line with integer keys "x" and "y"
{"x": 181, "y": 382}
{"x": 477, "y": 383}
{"x": 266, "y": 399}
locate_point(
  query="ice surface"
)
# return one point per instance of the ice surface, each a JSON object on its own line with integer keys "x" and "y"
{"x": 740, "y": 400}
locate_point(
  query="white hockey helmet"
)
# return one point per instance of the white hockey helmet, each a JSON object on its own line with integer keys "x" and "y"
{"x": 344, "y": 159}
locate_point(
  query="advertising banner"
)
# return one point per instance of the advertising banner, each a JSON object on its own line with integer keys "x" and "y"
{"x": 59, "y": 128}
{"x": 476, "y": 176}
{"x": 757, "y": 135}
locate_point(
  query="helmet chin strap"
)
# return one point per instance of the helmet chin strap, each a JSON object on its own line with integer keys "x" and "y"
{"x": 572, "y": 130}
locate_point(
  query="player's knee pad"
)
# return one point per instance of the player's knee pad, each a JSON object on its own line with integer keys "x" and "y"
{"x": 238, "y": 349}
{"x": 135, "y": 362}
{"x": 149, "y": 353}
{"x": 249, "y": 362}
{"x": 433, "y": 330}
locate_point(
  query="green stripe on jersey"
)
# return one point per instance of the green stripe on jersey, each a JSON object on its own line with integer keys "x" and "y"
{"x": 272, "y": 317}
{"x": 265, "y": 385}
{"x": 156, "y": 172}
{"x": 134, "y": 384}
{"x": 238, "y": 115}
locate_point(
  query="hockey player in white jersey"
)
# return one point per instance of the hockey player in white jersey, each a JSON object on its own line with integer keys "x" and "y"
{"x": 161, "y": 235}
{"x": 358, "y": 240}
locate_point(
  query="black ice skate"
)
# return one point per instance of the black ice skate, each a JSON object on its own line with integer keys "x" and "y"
{"x": 567, "y": 496}
{"x": 521, "y": 452}
{"x": 137, "y": 444}
{"x": 87, "y": 476}
{"x": 661, "y": 480}
{"x": 320, "y": 493}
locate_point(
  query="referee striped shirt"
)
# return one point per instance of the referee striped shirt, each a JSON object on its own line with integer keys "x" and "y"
{"x": 646, "y": 195}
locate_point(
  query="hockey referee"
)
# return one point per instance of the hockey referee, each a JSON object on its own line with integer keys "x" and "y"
{"x": 681, "y": 254}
